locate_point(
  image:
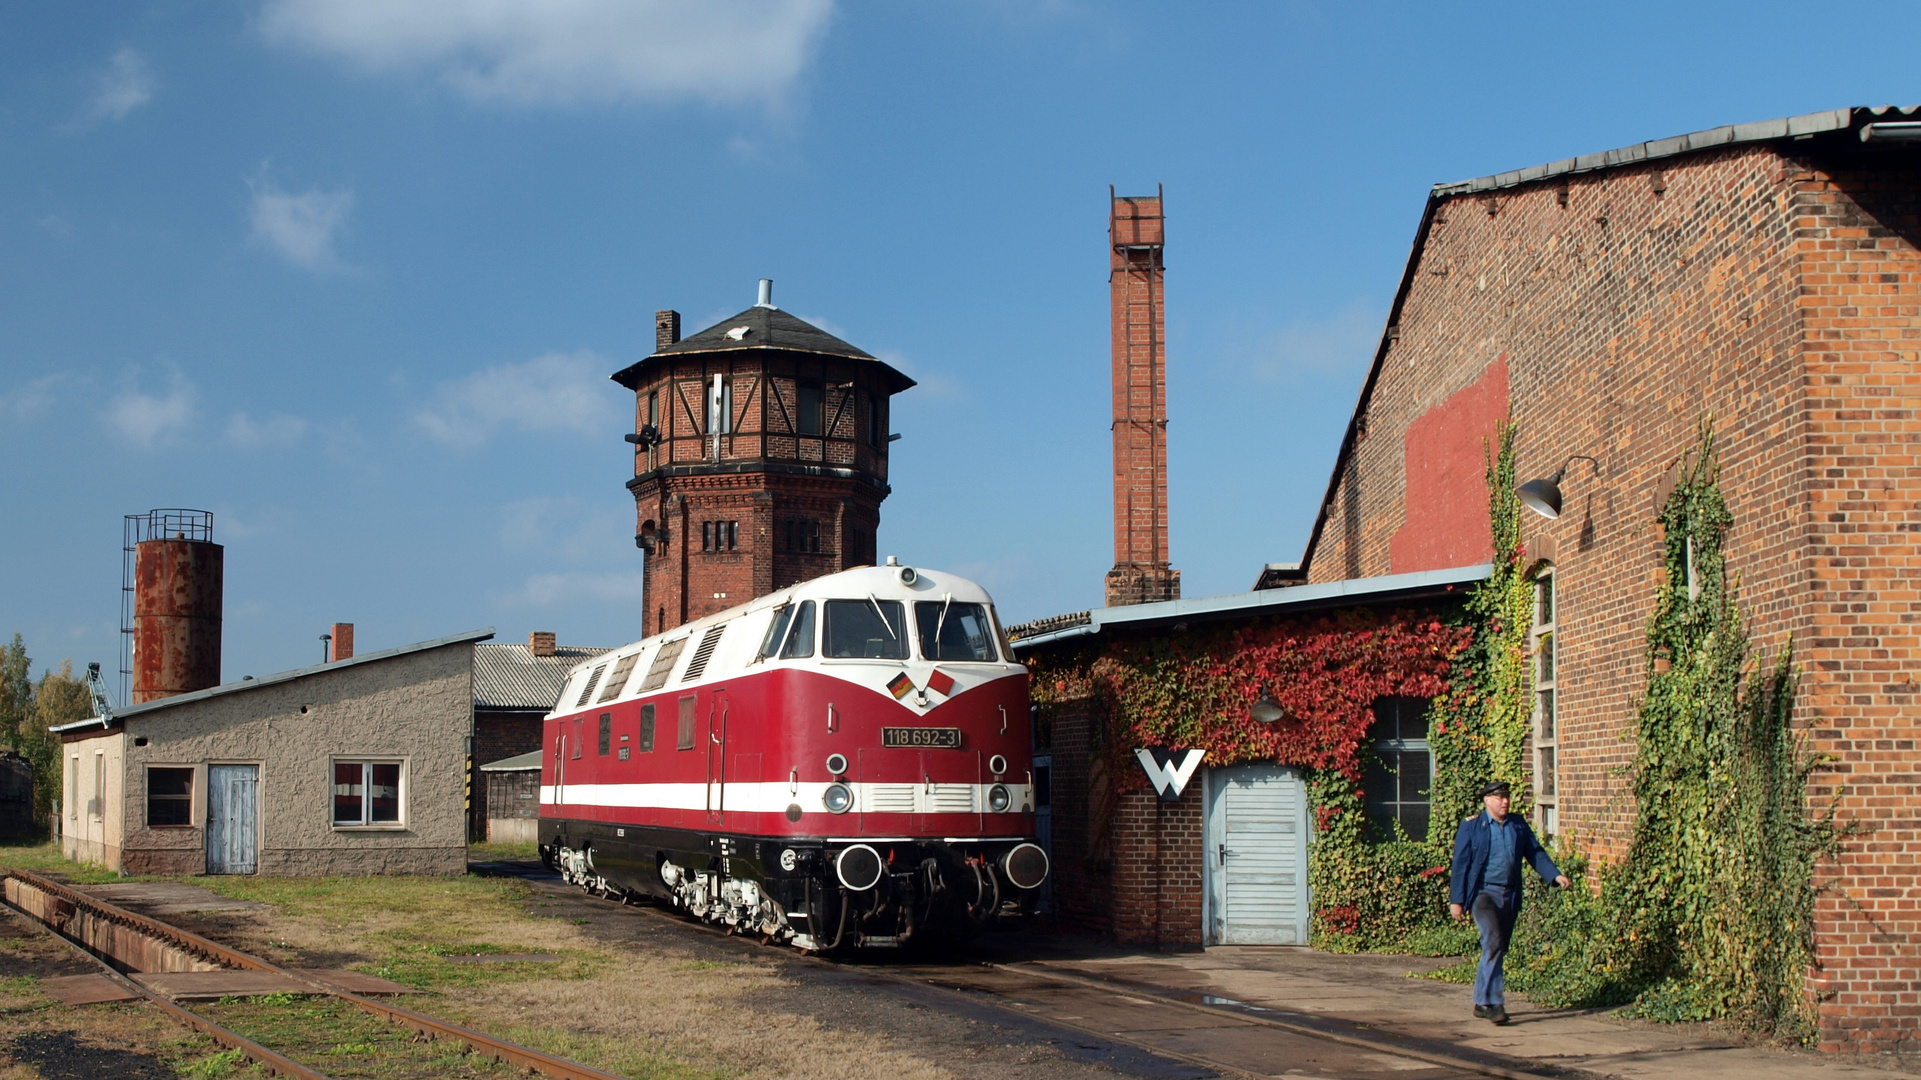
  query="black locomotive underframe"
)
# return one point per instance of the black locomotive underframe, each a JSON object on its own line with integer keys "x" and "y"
{"x": 932, "y": 888}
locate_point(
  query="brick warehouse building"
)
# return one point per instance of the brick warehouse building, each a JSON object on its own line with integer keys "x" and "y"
{"x": 1765, "y": 275}
{"x": 760, "y": 459}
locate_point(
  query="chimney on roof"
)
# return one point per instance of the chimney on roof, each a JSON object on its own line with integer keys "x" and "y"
{"x": 766, "y": 297}
{"x": 666, "y": 329}
{"x": 342, "y": 645}
{"x": 541, "y": 642}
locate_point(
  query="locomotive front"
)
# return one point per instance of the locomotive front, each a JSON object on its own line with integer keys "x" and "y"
{"x": 863, "y": 753}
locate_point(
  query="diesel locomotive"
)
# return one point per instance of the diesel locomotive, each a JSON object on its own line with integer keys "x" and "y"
{"x": 845, "y": 763}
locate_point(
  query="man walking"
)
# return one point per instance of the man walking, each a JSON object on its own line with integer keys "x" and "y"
{"x": 1490, "y": 850}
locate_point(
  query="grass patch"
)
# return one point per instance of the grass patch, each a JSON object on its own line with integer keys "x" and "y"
{"x": 338, "y": 1039}
{"x": 45, "y": 859}
{"x": 487, "y": 851}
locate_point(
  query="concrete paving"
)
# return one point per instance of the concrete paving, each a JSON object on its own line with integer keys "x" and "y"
{"x": 162, "y": 898}
{"x": 1375, "y": 994}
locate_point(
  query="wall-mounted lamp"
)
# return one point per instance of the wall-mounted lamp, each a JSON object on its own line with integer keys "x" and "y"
{"x": 1544, "y": 496}
{"x": 1266, "y": 710}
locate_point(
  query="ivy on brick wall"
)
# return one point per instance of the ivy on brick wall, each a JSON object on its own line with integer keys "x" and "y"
{"x": 1392, "y": 894}
{"x": 1197, "y": 689}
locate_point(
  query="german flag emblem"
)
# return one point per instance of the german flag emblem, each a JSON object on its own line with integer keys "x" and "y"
{"x": 941, "y": 683}
{"x": 901, "y": 685}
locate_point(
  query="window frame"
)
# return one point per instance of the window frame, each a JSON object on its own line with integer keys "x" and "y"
{"x": 689, "y": 719}
{"x": 806, "y": 416}
{"x": 1398, "y": 746}
{"x": 1544, "y": 642}
{"x": 647, "y": 728}
{"x": 193, "y": 787}
{"x": 367, "y": 763}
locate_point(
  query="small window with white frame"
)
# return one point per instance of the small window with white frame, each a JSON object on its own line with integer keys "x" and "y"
{"x": 1543, "y": 642}
{"x": 368, "y": 793}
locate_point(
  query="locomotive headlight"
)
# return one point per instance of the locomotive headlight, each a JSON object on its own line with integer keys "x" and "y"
{"x": 998, "y": 800}
{"x": 838, "y": 798}
{"x": 837, "y": 763}
{"x": 789, "y": 859}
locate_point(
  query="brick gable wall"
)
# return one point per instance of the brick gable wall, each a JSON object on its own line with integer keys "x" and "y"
{"x": 1776, "y": 294}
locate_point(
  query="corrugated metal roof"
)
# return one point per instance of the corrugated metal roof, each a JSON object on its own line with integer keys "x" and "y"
{"x": 1789, "y": 127}
{"x": 1300, "y": 598}
{"x": 284, "y": 676}
{"x": 527, "y": 762}
{"x": 512, "y": 677}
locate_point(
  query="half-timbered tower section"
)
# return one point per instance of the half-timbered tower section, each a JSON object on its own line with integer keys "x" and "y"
{"x": 760, "y": 459}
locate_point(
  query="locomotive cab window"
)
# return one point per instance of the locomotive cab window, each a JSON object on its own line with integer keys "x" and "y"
{"x": 800, "y": 634}
{"x": 865, "y": 630}
{"x": 950, "y": 631}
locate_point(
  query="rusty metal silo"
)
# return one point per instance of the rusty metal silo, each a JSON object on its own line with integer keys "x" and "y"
{"x": 173, "y": 589}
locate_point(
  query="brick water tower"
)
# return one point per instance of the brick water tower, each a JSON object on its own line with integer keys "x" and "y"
{"x": 172, "y": 581}
{"x": 760, "y": 459}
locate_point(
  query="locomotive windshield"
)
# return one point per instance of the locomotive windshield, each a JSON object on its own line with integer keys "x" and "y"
{"x": 791, "y": 633}
{"x": 864, "y": 629}
{"x": 950, "y": 631}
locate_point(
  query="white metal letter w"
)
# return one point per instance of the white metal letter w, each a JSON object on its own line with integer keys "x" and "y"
{"x": 1169, "y": 770}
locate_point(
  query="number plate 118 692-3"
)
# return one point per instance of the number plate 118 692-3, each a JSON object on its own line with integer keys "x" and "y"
{"x": 946, "y": 737}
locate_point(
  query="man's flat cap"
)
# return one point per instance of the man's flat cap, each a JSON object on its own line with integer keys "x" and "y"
{"x": 1498, "y": 787}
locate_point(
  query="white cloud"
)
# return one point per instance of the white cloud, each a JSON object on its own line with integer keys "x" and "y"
{"x": 150, "y": 419}
{"x": 555, "y": 393}
{"x": 553, "y": 51}
{"x": 299, "y": 228}
{"x": 275, "y": 430}
{"x": 1344, "y": 339}
{"x": 617, "y": 587}
{"x": 126, "y": 85}
{"x": 30, "y": 401}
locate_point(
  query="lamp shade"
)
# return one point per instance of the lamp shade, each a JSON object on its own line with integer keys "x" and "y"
{"x": 1266, "y": 710}
{"x": 1541, "y": 496}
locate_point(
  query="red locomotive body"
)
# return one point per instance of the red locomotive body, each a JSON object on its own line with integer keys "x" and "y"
{"x": 844, "y": 762}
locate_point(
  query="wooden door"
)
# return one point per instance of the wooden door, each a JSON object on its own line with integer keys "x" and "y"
{"x": 1257, "y": 856}
{"x": 233, "y": 813}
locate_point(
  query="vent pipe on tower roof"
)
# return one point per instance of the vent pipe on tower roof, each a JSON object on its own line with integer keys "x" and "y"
{"x": 766, "y": 293}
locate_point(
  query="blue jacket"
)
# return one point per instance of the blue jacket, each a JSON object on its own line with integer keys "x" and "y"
{"x": 1470, "y": 859}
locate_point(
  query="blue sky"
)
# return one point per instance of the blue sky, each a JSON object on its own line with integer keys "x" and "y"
{"x": 352, "y": 273}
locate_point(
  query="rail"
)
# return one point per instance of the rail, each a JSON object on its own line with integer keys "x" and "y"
{"x": 59, "y": 906}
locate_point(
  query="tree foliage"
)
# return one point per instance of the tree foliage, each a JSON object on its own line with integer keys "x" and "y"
{"x": 28, "y": 709}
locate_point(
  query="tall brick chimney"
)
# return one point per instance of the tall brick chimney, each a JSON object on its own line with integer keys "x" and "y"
{"x": 342, "y": 645}
{"x": 666, "y": 329}
{"x": 1142, "y": 573}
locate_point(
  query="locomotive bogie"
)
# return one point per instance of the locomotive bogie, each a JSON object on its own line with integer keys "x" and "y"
{"x": 845, "y": 762}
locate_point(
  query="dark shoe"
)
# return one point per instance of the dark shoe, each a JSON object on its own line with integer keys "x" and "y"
{"x": 1480, "y": 1012}
{"x": 1497, "y": 1013}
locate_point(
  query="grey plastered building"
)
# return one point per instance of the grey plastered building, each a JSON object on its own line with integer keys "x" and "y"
{"x": 358, "y": 766}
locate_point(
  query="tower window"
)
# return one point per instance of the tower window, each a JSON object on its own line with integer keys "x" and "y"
{"x": 812, "y": 404}
{"x": 876, "y": 422}
{"x": 800, "y": 536}
{"x": 720, "y": 406}
{"x": 719, "y": 535}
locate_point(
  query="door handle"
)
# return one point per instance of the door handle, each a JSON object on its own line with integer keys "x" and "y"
{"x": 1224, "y": 854}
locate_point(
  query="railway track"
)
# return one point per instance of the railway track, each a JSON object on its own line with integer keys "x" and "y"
{"x": 110, "y": 935}
{"x": 1231, "y": 1038}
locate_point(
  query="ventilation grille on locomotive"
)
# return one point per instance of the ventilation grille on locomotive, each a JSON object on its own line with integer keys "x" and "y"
{"x": 952, "y": 799}
{"x": 891, "y": 798}
{"x": 708, "y": 641}
{"x": 587, "y": 692}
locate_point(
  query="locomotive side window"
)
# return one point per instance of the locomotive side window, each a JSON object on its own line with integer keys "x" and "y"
{"x": 800, "y": 639}
{"x": 865, "y": 629}
{"x": 606, "y": 733}
{"x": 646, "y": 729}
{"x": 663, "y": 665}
{"x": 776, "y": 631}
{"x": 950, "y": 631}
{"x": 687, "y": 722}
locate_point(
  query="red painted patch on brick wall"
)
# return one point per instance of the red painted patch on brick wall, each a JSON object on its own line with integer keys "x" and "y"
{"x": 1446, "y": 470}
